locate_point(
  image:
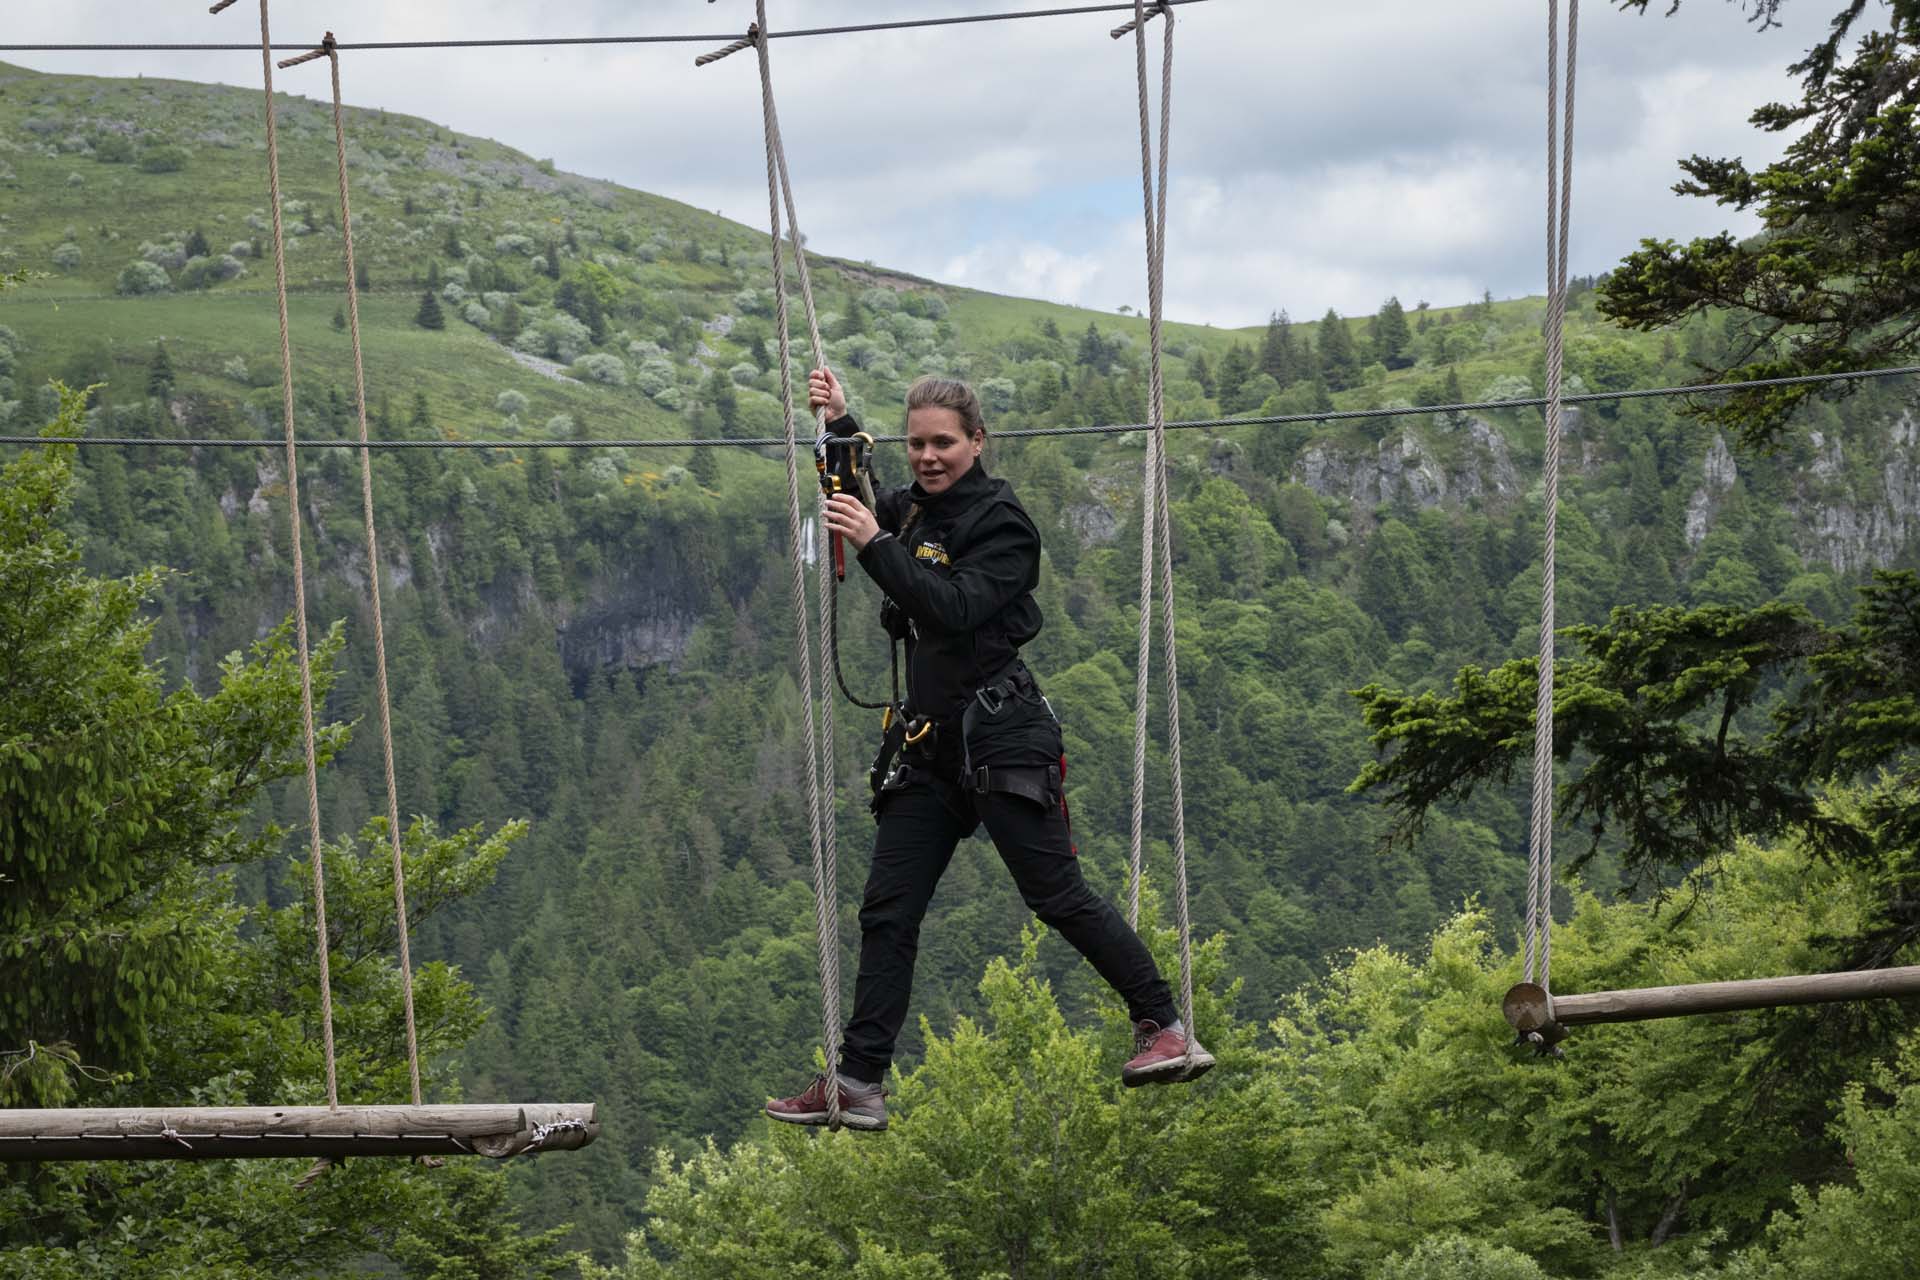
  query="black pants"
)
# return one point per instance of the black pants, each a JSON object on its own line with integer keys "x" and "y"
{"x": 919, "y": 827}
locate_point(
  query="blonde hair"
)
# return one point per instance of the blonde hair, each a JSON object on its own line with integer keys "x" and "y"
{"x": 933, "y": 392}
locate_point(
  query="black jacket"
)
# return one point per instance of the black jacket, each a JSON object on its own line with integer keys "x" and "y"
{"x": 961, "y": 572}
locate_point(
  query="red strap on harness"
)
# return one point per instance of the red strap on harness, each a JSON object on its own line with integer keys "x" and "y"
{"x": 1071, "y": 846}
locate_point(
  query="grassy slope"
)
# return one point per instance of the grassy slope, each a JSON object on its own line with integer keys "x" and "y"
{"x": 114, "y": 208}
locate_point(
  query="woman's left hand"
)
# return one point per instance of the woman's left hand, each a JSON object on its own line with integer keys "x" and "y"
{"x": 848, "y": 516}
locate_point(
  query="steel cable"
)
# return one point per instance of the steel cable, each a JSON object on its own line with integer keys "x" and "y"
{"x": 557, "y": 41}
{"x": 1022, "y": 433}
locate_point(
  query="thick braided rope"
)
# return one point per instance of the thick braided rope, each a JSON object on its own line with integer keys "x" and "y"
{"x": 1152, "y": 470}
{"x": 827, "y": 891}
{"x": 824, "y": 587}
{"x": 299, "y": 574}
{"x": 1136, "y": 830}
{"x": 1539, "y": 937}
{"x": 825, "y": 922}
{"x": 1157, "y": 411}
{"x": 373, "y": 580}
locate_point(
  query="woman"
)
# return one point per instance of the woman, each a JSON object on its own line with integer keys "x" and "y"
{"x": 958, "y": 559}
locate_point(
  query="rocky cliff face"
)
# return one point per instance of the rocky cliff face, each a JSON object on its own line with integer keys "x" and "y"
{"x": 634, "y": 621}
{"x": 1717, "y": 474}
{"x": 1860, "y": 513}
{"x": 1406, "y": 468}
{"x": 1855, "y": 507}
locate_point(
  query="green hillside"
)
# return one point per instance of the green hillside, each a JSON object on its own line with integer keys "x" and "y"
{"x": 596, "y": 641}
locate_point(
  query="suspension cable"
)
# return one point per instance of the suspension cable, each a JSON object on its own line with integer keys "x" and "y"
{"x": 526, "y": 42}
{"x": 1023, "y": 433}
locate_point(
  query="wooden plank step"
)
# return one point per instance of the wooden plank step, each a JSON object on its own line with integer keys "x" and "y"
{"x": 200, "y": 1133}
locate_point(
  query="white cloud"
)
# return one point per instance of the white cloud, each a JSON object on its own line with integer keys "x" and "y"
{"x": 1323, "y": 156}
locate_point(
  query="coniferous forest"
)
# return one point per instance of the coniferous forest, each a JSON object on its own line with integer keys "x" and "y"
{"x": 597, "y": 734}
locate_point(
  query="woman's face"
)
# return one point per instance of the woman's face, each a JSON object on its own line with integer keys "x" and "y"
{"x": 939, "y": 448}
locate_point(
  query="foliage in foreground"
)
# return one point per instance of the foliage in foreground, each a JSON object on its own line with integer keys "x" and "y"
{"x": 130, "y": 975}
{"x": 1383, "y": 1129}
{"x": 1829, "y": 284}
{"x": 1649, "y": 716}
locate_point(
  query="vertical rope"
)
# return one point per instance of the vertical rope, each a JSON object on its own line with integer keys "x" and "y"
{"x": 1539, "y": 932}
{"x": 821, "y": 844}
{"x": 1136, "y": 856}
{"x": 299, "y": 573}
{"x": 373, "y": 575}
{"x": 1149, "y": 494}
{"x": 824, "y": 587}
{"x": 1159, "y": 525}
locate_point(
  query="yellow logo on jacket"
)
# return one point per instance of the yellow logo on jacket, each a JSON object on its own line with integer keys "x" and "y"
{"x": 932, "y": 551}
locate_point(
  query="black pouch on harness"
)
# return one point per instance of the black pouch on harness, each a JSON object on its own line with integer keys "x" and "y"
{"x": 1012, "y": 709}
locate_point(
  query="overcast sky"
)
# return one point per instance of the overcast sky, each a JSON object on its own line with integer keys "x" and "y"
{"x": 1323, "y": 155}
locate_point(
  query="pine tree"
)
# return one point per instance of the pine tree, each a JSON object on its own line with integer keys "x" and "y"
{"x": 1093, "y": 352}
{"x": 420, "y": 418}
{"x": 508, "y": 322}
{"x": 705, "y": 466}
{"x": 725, "y": 401}
{"x": 1235, "y": 368}
{"x": 360, "y": 278}
{"x": 1391, "y": 336}
{"x": 553, "y": 261}
{"x": 1448, "y": 392}
{"x": 1201, "y": 372}
{"x": 453, "y": 248}
{"x": 1280, "y": 350}
{"x": 340, "y": 319}
{"x": 1644, "y": 499}
{"x": 160, "y": 373}
{"x": 434, "y": 279}
{"x": 1339, "y": 359}
{"x": 429, "y": 316}
{"x": 582, "y": 302}
{"x": 567, "y": 299}
{"x": 853, "y": 320}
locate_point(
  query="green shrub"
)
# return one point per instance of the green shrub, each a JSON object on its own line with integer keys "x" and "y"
{"x": 163, "y": 159}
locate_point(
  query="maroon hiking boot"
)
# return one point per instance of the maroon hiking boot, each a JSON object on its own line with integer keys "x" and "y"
{"x": 1160, "y": 1057}
{"x": 860, "y": 1108}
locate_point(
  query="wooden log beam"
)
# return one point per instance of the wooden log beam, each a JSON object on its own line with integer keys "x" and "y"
{"x": 1529, "y": 1009}
{"x": 200, "y": 1133}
